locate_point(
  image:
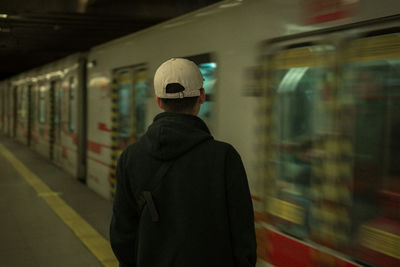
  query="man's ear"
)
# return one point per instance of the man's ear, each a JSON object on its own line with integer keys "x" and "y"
{"x": 159, "y": 102}
{"x": 202, "y": 97}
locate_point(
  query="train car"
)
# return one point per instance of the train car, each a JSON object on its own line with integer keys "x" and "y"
{"x": 48, "y": 114}
{"x": 307, "y": 91}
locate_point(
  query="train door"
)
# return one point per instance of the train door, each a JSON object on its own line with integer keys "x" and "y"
{"x": 128, "y": 111}
{"x": 55, "y": 121}
{"x": 22, "y": 119}
{"x": 5, "y": 110}
{"x": 30, "y": 115}
{"x": 77, "y": 101}
{"x": 9, "y": 111}
{"x": 42, "y": 135}
{"x": 15, "y": 111}
{"x": 298, "y": 121}
{"x": 2, "y": 111}
{"x": 370, "y": 93}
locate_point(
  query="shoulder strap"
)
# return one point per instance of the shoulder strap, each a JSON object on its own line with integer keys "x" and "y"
{"x": 156, "y": 179}
{"x": 145, "y": 196}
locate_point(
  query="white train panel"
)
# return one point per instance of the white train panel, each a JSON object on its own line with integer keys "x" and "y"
{"x": 98, "y": 131}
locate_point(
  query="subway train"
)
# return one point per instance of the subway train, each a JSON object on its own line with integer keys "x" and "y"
{"x": 307, "y": 91}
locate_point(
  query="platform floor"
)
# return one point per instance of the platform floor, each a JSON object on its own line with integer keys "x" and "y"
{"x": 35, "y": 229}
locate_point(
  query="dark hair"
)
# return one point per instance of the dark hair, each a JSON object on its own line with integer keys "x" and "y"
{"x": 178, "y": 105}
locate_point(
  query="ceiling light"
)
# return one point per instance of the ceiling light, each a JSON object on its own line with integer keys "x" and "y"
{"x": 3, "y": 16}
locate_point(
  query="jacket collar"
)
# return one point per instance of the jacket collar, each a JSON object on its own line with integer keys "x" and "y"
{"x": 187, "y": 119}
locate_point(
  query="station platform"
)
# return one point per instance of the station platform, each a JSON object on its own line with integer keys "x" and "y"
{"x": 48, "y": 218}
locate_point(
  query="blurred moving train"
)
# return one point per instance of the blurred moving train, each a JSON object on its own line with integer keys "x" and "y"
{"x": 307, "y": 91}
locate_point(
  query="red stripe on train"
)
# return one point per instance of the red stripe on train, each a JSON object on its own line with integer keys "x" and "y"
{"x": 103, "y": 127}
{"x": 281, "y": 251}
{"x": 96, "y": 147}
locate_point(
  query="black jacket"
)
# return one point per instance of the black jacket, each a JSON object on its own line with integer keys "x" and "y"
{"x": 204, "y": 203}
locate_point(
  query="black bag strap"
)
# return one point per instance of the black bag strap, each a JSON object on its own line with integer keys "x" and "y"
{"x": 156, "y": 179}
{"x": 145, "y": 196}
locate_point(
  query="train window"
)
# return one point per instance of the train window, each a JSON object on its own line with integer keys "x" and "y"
{"x": 71, "y": 104}
{"x": 209, "y": 73}
{"x": 42, "y": 104}
{"x": 370, "y": 92}
{"x": 141, "y": 91}
{"x": 125, "y": 119}
{"x": 208, "y": 68}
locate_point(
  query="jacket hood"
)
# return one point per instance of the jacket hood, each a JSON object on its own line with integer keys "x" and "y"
{"x": 173, "y": 134}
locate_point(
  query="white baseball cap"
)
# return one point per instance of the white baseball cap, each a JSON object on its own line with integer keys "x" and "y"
{"x": 178, "y": 71}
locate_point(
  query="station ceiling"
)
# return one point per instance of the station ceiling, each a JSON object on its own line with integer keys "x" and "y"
{"x": 35, "y": 32}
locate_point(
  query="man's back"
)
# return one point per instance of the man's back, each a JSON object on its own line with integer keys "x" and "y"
{"x": 205, "y": 209}
{"x": 199, "y": 213}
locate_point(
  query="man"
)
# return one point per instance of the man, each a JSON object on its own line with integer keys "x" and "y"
{"x": 182, "y": 198}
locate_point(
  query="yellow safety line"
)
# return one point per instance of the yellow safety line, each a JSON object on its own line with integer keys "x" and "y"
{"x": 97, "y": 244}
